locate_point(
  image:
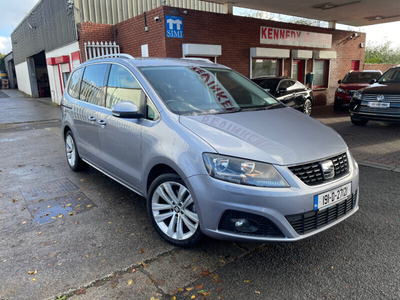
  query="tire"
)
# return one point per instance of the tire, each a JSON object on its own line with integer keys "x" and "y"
{"x": 358, "y": 122}
{"x": 337, "y": 106}
{"x": 174, "y": 217}
{"x": 307, "y": 107}
{"x": 71, "y": 151}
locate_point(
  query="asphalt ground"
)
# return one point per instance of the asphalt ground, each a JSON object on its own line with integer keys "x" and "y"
{"x": 106, "y": 248}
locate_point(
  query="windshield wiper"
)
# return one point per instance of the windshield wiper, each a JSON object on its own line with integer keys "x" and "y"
{"x": 237, "y": 109}
{"x": 262, "y": 107}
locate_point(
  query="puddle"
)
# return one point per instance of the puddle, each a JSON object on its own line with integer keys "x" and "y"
{"x": 59, "y": 208}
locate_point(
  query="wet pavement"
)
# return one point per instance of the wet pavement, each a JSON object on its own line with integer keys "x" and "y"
{"x": 376, "y": 144}
{"x": 84, "y": 236}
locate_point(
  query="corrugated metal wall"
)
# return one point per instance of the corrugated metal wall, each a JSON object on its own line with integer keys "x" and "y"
{"x": 115, "y": 11}
{"x": 49, "y": 25}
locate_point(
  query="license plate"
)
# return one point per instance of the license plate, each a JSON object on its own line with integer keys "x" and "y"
{"x": 332, "y": 197}
{"x": 378, "y": 104}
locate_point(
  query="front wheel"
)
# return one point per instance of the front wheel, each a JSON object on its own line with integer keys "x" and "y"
{"x": 307, "y": 107}
{"x": 172, "y": 211}
{"x": 358, "y": 122}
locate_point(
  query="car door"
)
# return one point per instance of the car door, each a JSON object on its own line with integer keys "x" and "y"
{"x": 120, "y": 138}
{"x": 285, "y": 93}
{"x": 300, "y": 94}
{"x": 86, "y": 112}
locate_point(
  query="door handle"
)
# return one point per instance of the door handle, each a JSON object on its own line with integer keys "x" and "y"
{"x": 102, "y": 123}
{"x": 92, "y": 119}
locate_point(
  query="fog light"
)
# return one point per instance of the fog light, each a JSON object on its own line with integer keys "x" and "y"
{"x": 246, "y": 225}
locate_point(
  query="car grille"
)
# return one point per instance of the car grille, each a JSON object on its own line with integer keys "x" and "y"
{"x": 381, "y": 111}
{"x": 266, "y": 227}
{"x": 311, "y": 174}
{"x": 313, "y": 220}
{"x": 387, "y": 98}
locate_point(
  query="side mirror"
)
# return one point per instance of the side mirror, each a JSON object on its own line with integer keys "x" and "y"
{"x": 126, "y": 109}
{"x": 339, "y": 81}
{"x": 372, "y": 81}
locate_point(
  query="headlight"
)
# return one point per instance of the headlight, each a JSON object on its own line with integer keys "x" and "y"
{"x": 243, "y": 171}
{"x": 357, "y": 95}
{"x": 339, "y": 90}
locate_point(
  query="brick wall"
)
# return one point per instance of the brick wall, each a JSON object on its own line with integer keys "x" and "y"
{"x": 235, "y": 34}
{"x": 382, "y": 67}
{"x": 131, "y": 34}
{"x": 94, "y": 32}
{"x": 238, "y": 34}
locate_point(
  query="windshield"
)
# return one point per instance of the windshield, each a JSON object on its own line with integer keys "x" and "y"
{"x": 195, "y": 90}
{"x": 391, "y": 76}
{"x": 361, "y": 77}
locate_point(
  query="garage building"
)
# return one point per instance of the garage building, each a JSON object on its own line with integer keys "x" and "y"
{"x": 58, "y": 35}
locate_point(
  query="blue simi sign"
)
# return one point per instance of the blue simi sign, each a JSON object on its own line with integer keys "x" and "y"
{"x": 174, "y": 27}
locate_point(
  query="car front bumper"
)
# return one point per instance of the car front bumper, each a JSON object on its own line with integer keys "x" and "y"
{"x": 276, "y": 209}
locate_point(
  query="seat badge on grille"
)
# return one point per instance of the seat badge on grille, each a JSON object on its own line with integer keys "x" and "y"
{"x": 327, "y": 169}
{"x": 380, "y": 98}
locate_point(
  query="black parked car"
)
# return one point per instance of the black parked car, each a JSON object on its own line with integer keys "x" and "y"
{"x": 288, "y": 91}
{"x": 379, "y": 101}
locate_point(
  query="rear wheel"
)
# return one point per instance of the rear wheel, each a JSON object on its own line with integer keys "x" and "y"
{"x": 307, "y": 107}
{"x": 358, "y": 121}
{"x": 73, "y": 158}
{"x": 172, "y": 211}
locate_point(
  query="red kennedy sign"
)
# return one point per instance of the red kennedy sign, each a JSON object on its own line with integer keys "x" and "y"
{"x": 287, "y": 37}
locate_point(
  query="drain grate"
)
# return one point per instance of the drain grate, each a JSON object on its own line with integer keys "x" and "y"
{"x": 48, "y": 189}
{"x": 58, "y": 208}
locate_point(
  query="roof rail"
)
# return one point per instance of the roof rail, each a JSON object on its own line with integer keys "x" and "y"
{"x": 114, "y": 55}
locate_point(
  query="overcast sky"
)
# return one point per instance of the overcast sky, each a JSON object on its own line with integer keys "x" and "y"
{"x": 15, "y": 11}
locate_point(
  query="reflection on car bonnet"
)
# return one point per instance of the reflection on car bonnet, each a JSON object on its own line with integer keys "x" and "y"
{"x": 243, "y": 133}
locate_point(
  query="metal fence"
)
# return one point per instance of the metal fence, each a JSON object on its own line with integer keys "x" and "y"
{"x": 93, "y": 50}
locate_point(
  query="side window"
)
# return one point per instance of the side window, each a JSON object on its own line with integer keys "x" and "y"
{"x": 93, "y": 84}
{"x": 152, "y": 113}
{"x": 296, "y": 86}
{"x": 286, "y": 84}
{"x": 122, "y": 86}
{"x": 74, "y": 84}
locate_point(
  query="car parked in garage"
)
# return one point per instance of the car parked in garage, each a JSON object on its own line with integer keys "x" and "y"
{"x": 288, "y": 91}
{"x": 353, "y": 81}
{"x": 379, "y": 101}
{"x": 211, "y": 151}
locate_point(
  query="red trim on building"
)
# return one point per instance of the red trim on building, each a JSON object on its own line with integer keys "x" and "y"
{"x": 62, "y": 59}
{"x": 61, "y": 81}
{"x": 51, "y": 61}
{"x": 76, "y": 56}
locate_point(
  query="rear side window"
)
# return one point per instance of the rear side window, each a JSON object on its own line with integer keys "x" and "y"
{"x": 93, "y": 84}
{"x": 122, "y": 86}
{"x": 285, "y": 84}
{"x": 75, "y": 83}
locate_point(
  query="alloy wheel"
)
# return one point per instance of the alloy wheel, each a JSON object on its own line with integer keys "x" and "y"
{"x": 70, "y": 150}
{"x": 174, "y": 212}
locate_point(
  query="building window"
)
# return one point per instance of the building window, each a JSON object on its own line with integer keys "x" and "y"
{"x": 266, "y": 67}
{"x": 321, "y": 73}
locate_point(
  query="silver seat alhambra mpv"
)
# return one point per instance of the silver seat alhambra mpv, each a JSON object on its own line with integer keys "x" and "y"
{"x": 211, "y": 151}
